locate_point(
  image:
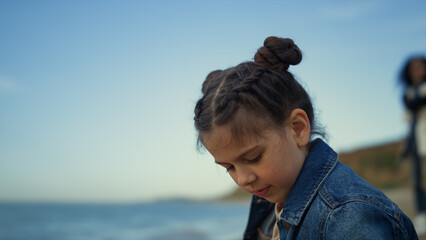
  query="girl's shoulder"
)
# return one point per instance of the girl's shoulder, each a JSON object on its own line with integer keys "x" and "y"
{"x": 367, "y": 221}
{"x": 353, "y": 204}
{"x": 344, "y": 186}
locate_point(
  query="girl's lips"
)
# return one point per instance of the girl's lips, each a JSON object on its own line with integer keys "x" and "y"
{"x": 262, "y": 192}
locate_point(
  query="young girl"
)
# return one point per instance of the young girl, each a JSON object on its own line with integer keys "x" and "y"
{"x": 258, "y": 122}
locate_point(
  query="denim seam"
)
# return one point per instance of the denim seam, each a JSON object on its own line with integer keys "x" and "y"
{"x": 395, "y": 216}
{"x": 332, "y": 163}
{"x": 323, "y": 223}
{"x": 326, "y": 222}
{"x": 368, "y": 200}
{"x": 326, "y": 215}
{"x": 327, "y": 199}
{"x": 394, "y": 225}
{"x": 398, "y": 224}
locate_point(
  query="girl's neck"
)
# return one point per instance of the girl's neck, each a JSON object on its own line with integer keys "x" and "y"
{"x": 280, "y": 205}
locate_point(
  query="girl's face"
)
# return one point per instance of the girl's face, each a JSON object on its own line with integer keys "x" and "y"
{"x": 266, "y": 165}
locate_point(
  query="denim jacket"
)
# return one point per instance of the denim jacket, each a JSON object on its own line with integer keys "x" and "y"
{"x": 329, "y": 201}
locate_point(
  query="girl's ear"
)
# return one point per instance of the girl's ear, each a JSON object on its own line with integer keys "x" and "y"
{"x": 300, "y": 126}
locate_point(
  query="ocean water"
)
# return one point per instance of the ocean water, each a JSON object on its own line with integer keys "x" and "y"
{"x": 178, "y": 220}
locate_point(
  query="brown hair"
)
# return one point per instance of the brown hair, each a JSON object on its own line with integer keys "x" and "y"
{"x": 405, "y": 75}
{"x": 254, "y": 95}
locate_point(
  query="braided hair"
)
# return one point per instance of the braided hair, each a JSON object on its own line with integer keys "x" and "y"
{"x": 254, "y": 95}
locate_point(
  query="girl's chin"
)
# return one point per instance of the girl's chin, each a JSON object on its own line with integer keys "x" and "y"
{"x": 278, "y": 200}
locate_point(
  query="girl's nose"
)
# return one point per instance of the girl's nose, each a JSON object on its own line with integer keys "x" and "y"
{"x": 245, "y": 177}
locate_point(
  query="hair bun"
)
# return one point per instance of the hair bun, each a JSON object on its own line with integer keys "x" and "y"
{"x": 278, "y": 54}
{"x": 209, "y": 79}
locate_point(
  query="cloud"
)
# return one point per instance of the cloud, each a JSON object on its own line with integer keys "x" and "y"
{"x": 7, "y": 85}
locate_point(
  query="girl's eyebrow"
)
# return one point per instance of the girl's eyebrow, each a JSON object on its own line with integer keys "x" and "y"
{"x": 241, "y": 155}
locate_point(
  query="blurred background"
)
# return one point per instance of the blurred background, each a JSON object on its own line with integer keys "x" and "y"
{"x": 97, "y": 98}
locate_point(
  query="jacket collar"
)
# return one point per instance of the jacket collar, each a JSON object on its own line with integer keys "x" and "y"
{"x": 320, "y": 161}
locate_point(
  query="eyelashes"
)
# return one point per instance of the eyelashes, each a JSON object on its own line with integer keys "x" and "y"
{"x": 229, "y": 168}
{"x": 248, "y": 161}
{"x": 256, "y": 159}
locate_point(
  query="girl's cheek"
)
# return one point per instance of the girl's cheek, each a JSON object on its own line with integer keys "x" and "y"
{"x": 234, "y": 177}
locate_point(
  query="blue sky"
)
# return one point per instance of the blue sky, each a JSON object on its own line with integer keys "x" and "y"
{"x": 97, "y": 97}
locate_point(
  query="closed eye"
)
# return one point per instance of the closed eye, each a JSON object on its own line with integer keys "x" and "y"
{"x": 229, "y": 168}
{"x": 256, "y": 159}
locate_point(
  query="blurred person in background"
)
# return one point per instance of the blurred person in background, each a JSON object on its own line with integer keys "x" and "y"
{"x": 414, "y": 98}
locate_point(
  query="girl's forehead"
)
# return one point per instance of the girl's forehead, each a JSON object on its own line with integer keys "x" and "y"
{"x": 226, "y": 148}
{"x": 221, "y": 137}
{"x": 244, "y": 129}
{"x": 218, "y": 137}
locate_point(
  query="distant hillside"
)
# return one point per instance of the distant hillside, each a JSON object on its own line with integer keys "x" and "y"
{"x": 380, "y": 165}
